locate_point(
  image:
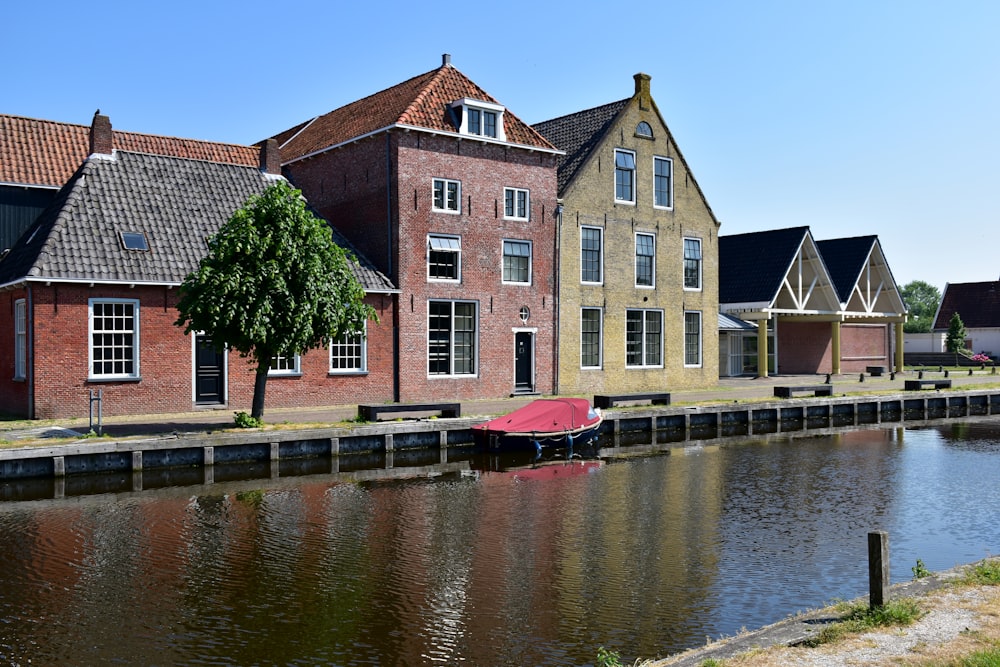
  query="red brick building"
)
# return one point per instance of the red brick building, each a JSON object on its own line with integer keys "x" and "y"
{"x": 89, "y": 290}
{"x": 453, "y": 198}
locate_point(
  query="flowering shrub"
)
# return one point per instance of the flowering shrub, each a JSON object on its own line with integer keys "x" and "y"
{"x": 982, "y": 357}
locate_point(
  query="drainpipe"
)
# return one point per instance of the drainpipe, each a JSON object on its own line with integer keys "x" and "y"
{"x": 29, "y": 353}
{"x": 555, "y": 300}
{"x": 389, "y": 268}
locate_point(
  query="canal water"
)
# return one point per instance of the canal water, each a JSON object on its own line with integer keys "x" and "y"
{"x": 466, "y": 564}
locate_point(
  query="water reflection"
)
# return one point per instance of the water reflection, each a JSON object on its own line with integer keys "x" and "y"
{"x": 486, "y": 560}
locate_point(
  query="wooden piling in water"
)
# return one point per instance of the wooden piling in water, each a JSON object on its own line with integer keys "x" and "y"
{"x": 878, "y": 568}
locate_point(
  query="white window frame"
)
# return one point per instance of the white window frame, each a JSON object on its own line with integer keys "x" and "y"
{"x": 600, "y": 338}
{"x": 700, "y": 260}
{"x": 657, "y": 159}
{"x": 700, "y": 336}
{"x": 452, "y": 347}
{"x": 445, "y": 207}
{"x": 357, "y": 338}
{"x": 20, "y": 339}
{"x": 446, "y": 244}
{"x": 652, "y": 260}
{"x": 282, "y": 366}
{"x": 503, "y": 269}
{"x": 600, "y": 255}
{"x": 133, "y": 332}
{"x": 627, "y": 156}
{"x": 643, "y": 334}
{"x": 517, "y": 196}
{"x": 464, "y": 106}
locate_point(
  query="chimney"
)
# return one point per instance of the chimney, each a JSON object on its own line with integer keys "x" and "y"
{"x": 270, "y": 157}
{"x": 445, "y": 60}
{"x": 642, "y": 90}
{"x": 100, "y": 135}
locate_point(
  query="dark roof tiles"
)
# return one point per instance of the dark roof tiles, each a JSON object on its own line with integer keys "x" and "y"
{"x": 752, "y": 265}
{"x": 977, "y": 304}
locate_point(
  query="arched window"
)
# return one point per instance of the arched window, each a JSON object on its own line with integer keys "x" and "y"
{"x": 644, "y": 130}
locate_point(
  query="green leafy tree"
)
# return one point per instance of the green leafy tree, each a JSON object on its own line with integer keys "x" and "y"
{"x": 955, "y": 339}
{"x": 922, "y": 300}
{"x": 273, "y": 283}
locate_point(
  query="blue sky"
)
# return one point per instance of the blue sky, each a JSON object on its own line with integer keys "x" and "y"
{"x": 853, "y": 117}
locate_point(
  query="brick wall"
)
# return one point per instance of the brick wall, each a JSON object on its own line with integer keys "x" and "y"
{"x": 807, "y": 347}
{"x": 61, "y": 386}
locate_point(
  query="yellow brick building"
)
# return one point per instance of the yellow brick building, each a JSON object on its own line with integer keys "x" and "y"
{"x": 637, "y": 254}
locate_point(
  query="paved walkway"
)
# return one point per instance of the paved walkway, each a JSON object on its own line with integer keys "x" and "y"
{"x": 727, "y": 391}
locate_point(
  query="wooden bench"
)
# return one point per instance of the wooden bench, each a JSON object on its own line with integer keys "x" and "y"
{"x": 604, "y": 401}
{"x": 875, "y": 371}
{"x": 916, "y": 385}
{"x": 816, "y": 389}
{"x": 370, "y": 413}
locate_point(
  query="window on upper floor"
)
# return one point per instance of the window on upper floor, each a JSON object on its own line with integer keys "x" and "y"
{"x": 479, "y": 118}
{"x": 20, "y": 339}
{"x": 516, "y": 203}
{"x": 692, "y": 264}
{"x": 663, "y": 182}
{"x": 447, "y": 195}
{"x": 644, "y": 130}
{"x": 692, "y": 338}
{"x": 349, "y": 354}
{"x": 444, "y": 258}
{"x": 517, "y": 262}
{"x": 624, "y": 176}
{"x": 591, "y": 255}
{"x": 114, "y": 338}
{"x": 645, "y": 260}
{"x": 282, "y": 365}
{"x": 591, "y": 343}
{"x": 451, "y": 338}
{"x": 643, "y": 338}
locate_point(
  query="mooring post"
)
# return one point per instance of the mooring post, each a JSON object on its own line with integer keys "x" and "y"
{"x": 878, "y": 568}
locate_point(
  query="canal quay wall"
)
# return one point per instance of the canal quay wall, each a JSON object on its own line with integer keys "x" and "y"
{"x": 427, "y": 442}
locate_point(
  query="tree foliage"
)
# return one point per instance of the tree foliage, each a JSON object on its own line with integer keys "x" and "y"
{"x": 273, "y": 283}
{"x": 955, "y": 340}
{"x": 922, "y": 300}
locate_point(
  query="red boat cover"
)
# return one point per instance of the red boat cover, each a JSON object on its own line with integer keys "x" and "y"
{"x": 546, "y": 415}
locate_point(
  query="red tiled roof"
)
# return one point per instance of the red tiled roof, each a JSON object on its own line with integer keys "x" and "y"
{"x": 46, "y": 153}
{"x": 977, "y": 304}
{"x": 422, "y": 101}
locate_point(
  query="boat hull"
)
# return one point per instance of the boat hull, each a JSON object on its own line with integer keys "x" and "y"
{"x": 545, "y": 423}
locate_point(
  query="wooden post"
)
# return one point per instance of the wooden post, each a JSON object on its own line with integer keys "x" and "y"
{"x": 878, "y": 568}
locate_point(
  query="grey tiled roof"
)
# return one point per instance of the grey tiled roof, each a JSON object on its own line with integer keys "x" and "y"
{"x": 752, "y": 266}
{"x": 845, "y": 259}
{"x": 177, "y": 203}
{"x": 578, "y": 134}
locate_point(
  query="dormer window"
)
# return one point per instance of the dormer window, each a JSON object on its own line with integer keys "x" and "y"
{"x": 479, "y": 119}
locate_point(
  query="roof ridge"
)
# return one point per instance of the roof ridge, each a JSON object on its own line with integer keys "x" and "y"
{"x": 583, "y": 111}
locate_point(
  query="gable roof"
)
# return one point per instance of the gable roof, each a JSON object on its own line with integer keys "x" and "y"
{"x": 46, "y": 153}
{"x": 176, "y": 203}
{"x": 845, "y": 260}
{"x": 978, "y": 304}
{"x": 752, "y": 266}
{"x": 861, "y": 274}
{"x": 423, "y": 102}
{"x": 577, "y": 134}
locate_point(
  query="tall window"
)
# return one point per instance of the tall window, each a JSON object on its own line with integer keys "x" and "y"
{"x": 692, "y": 264}
{"x": 114, "y": 338}
{"x": 517, "y": 262}
{"x": 625, "y": 176}
{"x": 444, "y": 258}
{"x": 692, "y": 338}
{"x": 282, "y": 365}
{"x": 447, "y": 195}
{"x": 451, "y": 348}
{"x": 643, "y": 338}
{"x": 349, "y": 354}
{"x": 663, "y": 182}
{"x": 590, "y": 338}
{"x": 591, "y": 255}
{"x": 515, "y": 203}
{"x": 20, "y": 340}
{"x": 645, "y": 260}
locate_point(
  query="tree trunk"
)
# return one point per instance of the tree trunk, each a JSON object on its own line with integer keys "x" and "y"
{"x": 259, "y": 386}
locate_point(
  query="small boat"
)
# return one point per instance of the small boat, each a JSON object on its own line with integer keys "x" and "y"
{"x": 546, "y": 422}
